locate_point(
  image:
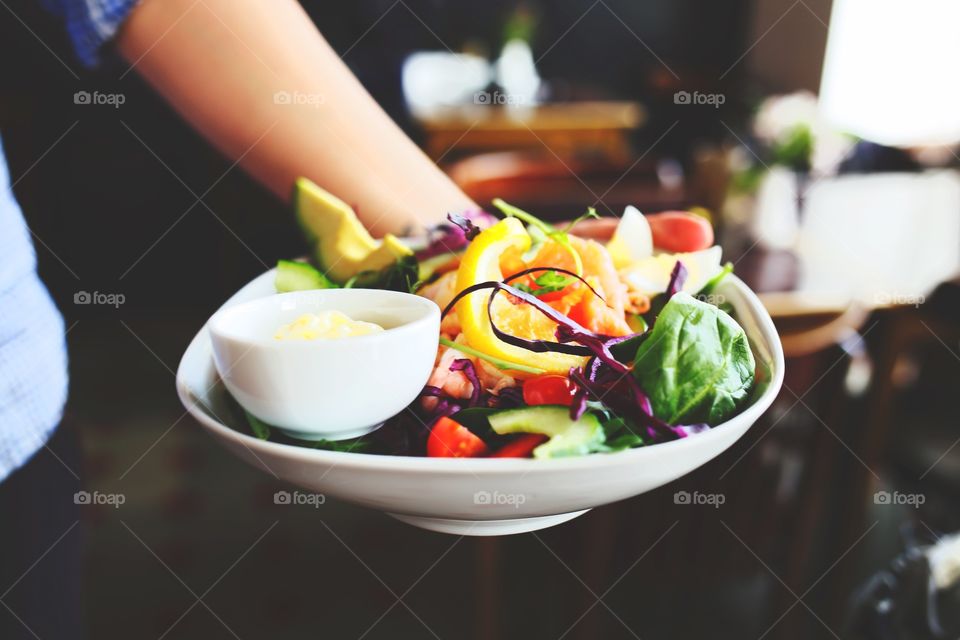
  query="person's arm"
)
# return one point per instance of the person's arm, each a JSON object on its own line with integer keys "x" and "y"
{"x": 228, "y": 66}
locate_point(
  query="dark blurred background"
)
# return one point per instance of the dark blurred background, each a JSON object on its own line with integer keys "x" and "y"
{"x": 113, "y": 197}
{"x": 122, "y": 172}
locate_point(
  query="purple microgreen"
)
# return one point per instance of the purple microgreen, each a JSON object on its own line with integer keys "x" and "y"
{"x": 468, "y": 369}
{"x": 445, "y": 407}
{"x": 593, "y": 368}
{"x": 631, "y": 403}
{"x": 692, "y": 429}
{"x": 444, "y": 239}
{"x": 453, "y": 236}
{"x": 677, "y": 278}
{"x": 508, "y": 397}
{"x": 598, "y": 346}
{"x": 465, "y": 224}
{"x": 579, "y": 404}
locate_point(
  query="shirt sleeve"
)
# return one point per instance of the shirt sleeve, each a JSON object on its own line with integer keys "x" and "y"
{"x": 91, "y": 23}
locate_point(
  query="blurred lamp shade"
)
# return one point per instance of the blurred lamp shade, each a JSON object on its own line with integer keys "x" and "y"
{"x": 890, "y": 72}
{"x": 436, "y": 79}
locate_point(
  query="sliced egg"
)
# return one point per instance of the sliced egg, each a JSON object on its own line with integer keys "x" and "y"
{"x": 651, "y": 275}
{"x": 632, "y": 240}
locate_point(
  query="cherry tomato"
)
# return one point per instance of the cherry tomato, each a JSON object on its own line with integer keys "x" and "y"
{"x": 450, "y": 439}
{"x": 549, "y": 389}
{"x": 521, "y": 447}
{"x": 680, "y": 232}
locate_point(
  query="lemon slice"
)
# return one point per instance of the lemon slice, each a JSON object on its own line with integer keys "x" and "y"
{"x": 481, "y": 263}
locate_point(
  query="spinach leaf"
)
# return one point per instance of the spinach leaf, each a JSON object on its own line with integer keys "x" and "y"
{"x": 259, "y": 428}
{"x": 403, "y": 276}
{"x": 354, "y": 445}
{"x": 696, "y": 364}
{"x": 475, "y": 419}
{"x": 627, "y": 350}
{"x": 712, "y": 283}
{"x": 620, "y": 435}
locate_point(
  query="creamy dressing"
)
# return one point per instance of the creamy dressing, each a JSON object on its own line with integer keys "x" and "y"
{"x": 326, "y": 325}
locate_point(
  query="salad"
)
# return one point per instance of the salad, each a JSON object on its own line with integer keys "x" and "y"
{"x": 552, "y": 344}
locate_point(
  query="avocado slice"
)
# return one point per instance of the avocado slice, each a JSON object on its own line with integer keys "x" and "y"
{"x": 342, "y": 246}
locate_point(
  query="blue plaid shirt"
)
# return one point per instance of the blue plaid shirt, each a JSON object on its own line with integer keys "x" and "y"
{"x": 33, "y": 355}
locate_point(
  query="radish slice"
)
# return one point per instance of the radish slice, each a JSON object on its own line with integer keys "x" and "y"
{"x": 680, "y": 231}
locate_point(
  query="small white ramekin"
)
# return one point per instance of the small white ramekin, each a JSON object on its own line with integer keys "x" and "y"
{"x": 326, "y": 389}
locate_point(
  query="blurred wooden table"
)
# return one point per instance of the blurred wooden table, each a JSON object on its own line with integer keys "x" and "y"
{"x": 566, "y": 129}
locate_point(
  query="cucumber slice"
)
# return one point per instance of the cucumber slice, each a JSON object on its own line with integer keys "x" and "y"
{"x": 636, "y": 323}
{"x": 567, "y": 437}
{"x": 429, "y": 266}
{"x": 300, "y": 276}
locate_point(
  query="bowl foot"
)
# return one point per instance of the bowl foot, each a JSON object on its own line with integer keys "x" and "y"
{"x": 487, "y": 527}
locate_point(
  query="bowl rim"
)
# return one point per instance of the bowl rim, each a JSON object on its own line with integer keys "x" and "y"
{"x": 430, "y": 314}
{"x": 499, "y": 466}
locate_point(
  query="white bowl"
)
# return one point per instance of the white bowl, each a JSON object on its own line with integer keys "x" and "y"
{"x": 326, "y": 389}
{"x": 482, "y": 496}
